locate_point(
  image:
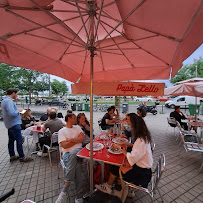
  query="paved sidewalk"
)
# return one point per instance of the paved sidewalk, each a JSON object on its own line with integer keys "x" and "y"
{"x": 181, "y": 181}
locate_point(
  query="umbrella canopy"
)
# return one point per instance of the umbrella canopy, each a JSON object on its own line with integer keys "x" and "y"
{"x": 190, "y": 89}
{"x": 120, "y": 88}
{"x": 191, "y": 80}
{"x": 134, "y": 39}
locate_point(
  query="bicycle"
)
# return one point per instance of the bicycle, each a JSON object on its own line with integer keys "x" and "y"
{"x": 100, "y": 107}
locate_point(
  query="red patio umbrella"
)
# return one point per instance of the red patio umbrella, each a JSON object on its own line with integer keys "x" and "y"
{"x": 129, "y": 40}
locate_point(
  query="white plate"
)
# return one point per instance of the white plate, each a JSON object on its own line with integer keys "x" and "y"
{"x": 104, "y": 137}
{"x": 116, "y": 152}
{"x": 117, "y": 139}
{"x": 96, "y": 146}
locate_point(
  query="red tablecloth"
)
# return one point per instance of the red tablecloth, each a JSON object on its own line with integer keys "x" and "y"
{"x": 34, "y": 128}
{"x": 105, "y": 156}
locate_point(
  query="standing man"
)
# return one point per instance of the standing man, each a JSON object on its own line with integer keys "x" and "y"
{"x": 70, "y": 138}
{"x": 12, "y": 121}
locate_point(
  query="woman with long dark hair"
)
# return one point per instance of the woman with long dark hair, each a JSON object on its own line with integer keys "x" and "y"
{"x": 140, "y": 158}
{"x": 85, "y": 126}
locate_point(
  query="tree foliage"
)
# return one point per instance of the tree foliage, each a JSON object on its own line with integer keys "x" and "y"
{"x": 189, "y": 71}
{"x": 6, "y": 81}
{"x": 59, "y": 88}
{"x": 27, "y": 81}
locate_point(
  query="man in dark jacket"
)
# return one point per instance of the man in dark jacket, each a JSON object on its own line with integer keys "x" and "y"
{"x": 178, "y": 115}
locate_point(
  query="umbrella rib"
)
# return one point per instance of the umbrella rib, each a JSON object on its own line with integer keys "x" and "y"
{"x": 100, "y": 55}
{"x": 72, "y": 41}
{"x": 40, "y": 26}
{"x": 83, "y": 67}
{"x": 58, "y": 20}
{"x": 188, "y": 27}
{"x": 127, "y": 23}
{"x": 96, "y": 29}
{"x": 118, "y": 47}
{"x": 111, "y": 53}
{"x": 82, "y": 20}
{"x": 72, "y": 4}
{"x": 126, "y": 17}
{"x": 109, "y": 4}
{"x": 52, "y": 39}
{"x": 129, "y": 39}
{"x": 31, "y": 51}
{"x": 151, "y": 54}
{"x": 74, "y": 52}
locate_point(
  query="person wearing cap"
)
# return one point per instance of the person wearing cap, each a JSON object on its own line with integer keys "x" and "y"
{"x": 178, "y": 115}
{"x": 12, "y": 121}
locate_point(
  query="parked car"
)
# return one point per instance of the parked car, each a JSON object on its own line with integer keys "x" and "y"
{"x": 143, "y": 99}
{"x": 57, "y": 102}
{"x": 41, "y": 102}
{"x": 163, "y": 99}
{"x": 73, "y": 99}
{"x": 181, "y": 101}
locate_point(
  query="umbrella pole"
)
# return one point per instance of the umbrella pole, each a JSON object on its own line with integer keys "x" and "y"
{"x": 91, "y": 48}
{"x": 195, "y": 108}
{"x": 91, "y": 122}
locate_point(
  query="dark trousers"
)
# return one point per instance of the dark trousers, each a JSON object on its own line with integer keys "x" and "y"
{"x": 138, "y": 176}
{"x": 14, "y": 134}
{"x": 184, "y": 125}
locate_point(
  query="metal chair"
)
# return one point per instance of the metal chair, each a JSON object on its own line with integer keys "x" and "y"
{"x": 152, "y": 145}
{"x": 189, "y": 136}
{"x": 173, "y": 123}
{"x": 54, "y": 138}
{"x": 61, "y": 163}
{"x": 191, "y": 146}
{"x": 154, "y": 181}
{"x": 99, "y": 123}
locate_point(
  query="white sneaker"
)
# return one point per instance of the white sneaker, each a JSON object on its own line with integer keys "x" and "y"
{"x": 80, "y": 200}
{"x": 39, "y": 153}
{"x": 62, "y": 198}
{"x": 131, "y": 193}
{"x": 42, "y": 154}
{"x": 104, "y": 188}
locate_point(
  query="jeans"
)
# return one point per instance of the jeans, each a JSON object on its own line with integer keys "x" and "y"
{"x": 73, "y": 172}
{"x": 14, "y": 134}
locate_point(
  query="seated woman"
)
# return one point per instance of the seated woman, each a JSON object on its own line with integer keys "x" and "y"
{"x": 27, "y": 121}
{"x": 85, "y": 126}
{"x": 140, "y": 158}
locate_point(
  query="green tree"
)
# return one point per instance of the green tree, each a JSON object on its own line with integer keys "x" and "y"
{"x": 6, "y": 80}
{"x": 189, "y": 71}
{"x": 29, "y": 81}
{"x": 59, "y": 88}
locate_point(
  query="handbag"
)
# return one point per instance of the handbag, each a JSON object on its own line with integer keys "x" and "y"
{"x": 97, "y": 173}
{"x": 125, "y": 167}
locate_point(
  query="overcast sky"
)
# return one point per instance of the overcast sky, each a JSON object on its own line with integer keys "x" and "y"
{"x": 195, "y": 55}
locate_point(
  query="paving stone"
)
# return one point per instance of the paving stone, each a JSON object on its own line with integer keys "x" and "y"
{"x": 181, "y": 181}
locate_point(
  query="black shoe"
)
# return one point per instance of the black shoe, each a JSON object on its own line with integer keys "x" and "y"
{"x": 14, "y": 158}
{"x": 25, "y": 159}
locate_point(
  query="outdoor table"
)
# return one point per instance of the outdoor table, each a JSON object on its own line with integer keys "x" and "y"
{"x": 33, "y": 130}
{"x": 197, "y": 124}
{"x": 104, "y": 156}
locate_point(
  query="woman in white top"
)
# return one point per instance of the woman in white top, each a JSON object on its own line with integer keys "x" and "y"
{"x": 140, "y": 158}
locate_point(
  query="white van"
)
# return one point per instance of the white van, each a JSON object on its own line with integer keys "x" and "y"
{"x": 182, "y": 101}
